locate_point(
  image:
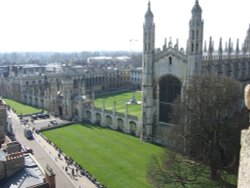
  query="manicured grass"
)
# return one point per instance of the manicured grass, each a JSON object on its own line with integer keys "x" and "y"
{"x": 121, "y": 99}
{"x": 21, "y": 109}
{"x": 115, "y": 159}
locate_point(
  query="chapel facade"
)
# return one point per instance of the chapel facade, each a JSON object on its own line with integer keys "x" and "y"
{"x": 166, "y": 71}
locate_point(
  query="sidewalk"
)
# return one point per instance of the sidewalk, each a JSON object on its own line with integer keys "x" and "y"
{"x": 78, "y": 180}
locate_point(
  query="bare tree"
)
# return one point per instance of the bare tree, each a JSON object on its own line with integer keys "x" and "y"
{"x": 174, "y": 170}
{"x": 209, "y": 117}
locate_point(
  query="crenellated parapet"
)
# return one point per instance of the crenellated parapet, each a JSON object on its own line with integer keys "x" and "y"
{"x": 233, "y": 56}
{"x": 228, "y": 52}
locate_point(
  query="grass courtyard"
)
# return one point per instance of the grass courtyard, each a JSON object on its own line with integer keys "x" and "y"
{"x": 21, "y": 109}
{"x": 121, "y": 99}
{"x": 115, "y": 159}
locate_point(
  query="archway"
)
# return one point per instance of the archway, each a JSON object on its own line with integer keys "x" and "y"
{"x": 132, "y": 125}
{"x": 120, "y": 124}
{"x": 98, "y": 118}
{"x": 109, "y": 120}
{"x": 170, "y": 88}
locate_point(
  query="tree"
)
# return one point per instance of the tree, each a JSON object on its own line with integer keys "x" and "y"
{"x": 209, "y": 118}
{"x": 174, "y": 170}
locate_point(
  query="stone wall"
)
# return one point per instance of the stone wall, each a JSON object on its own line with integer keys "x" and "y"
{"x": 244, "y": 167}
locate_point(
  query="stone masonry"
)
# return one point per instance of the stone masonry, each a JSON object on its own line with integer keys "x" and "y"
{"x": 244, "y": 168}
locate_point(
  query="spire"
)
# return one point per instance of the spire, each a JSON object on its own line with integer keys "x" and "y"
{"x": 149, "y": 13}
{"x": 196, "y": 9}
{"x": 220, "y": 46}
{"x": 210, "y": 48}
{"x": 229, "y": 47}
{"x": 237, "y": 47}
{"x": 176, "y": 46}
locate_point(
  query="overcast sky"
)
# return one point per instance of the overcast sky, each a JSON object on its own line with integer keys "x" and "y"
{"x": 80, "y": 25}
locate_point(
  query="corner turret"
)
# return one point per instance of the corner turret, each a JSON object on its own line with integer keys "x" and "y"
{"x": 147, "y": 73}
{"x": 195, "y": 41}
{"x": 196, "y": 11}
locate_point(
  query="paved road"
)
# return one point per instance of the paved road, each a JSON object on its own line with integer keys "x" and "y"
{"x": 62, "y": 181}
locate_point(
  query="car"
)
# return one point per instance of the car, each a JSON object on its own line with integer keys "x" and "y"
{"x": 28, "y": 133}
{"x": 34, "y": 117}
{"x": 43, "y": 115}
{"x": 53, "y": 122}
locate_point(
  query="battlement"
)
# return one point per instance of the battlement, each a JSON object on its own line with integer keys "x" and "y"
{"x": 225, "y": 56}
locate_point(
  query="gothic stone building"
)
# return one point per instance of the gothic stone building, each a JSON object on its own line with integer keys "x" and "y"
{"x": 166, "y": 71}
{"x": 59, "y": 90}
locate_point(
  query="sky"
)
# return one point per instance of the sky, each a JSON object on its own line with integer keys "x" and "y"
{"x": 94, "y": 25}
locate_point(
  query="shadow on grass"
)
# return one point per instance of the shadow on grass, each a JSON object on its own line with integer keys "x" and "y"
{"x": 91, "y": 126}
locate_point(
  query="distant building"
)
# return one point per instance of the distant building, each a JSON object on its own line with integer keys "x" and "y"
{"x": 56, "y": 89}
{"x": 136, "y": 78}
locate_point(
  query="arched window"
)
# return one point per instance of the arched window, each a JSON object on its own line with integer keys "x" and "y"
{"x": 170, "y": 60}
{"x": 170, "y": 88}
{"x": 192, "y": 47}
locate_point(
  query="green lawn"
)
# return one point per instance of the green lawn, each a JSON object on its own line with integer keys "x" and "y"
{"x": 115, "y": 159}
{"x": 21, "y": 108}
{"x": 121, "y": 99}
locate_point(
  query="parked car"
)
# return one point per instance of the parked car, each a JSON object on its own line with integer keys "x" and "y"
{"x": 43, "y": 115}
{"x": 34, "y": 116}
{"x": 53, "y": 122}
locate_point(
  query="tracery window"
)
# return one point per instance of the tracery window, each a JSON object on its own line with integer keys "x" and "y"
{"x": 170, "y": 88}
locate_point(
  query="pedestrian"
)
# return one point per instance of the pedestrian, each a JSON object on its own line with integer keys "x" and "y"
{"x": 66, "y": 168}
{"x": 73, "y": 172}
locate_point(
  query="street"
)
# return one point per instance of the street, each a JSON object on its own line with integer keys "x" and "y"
{"x": 62, "y": 181}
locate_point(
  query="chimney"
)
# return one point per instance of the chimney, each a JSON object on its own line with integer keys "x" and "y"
{"x": 50, "y": 177}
